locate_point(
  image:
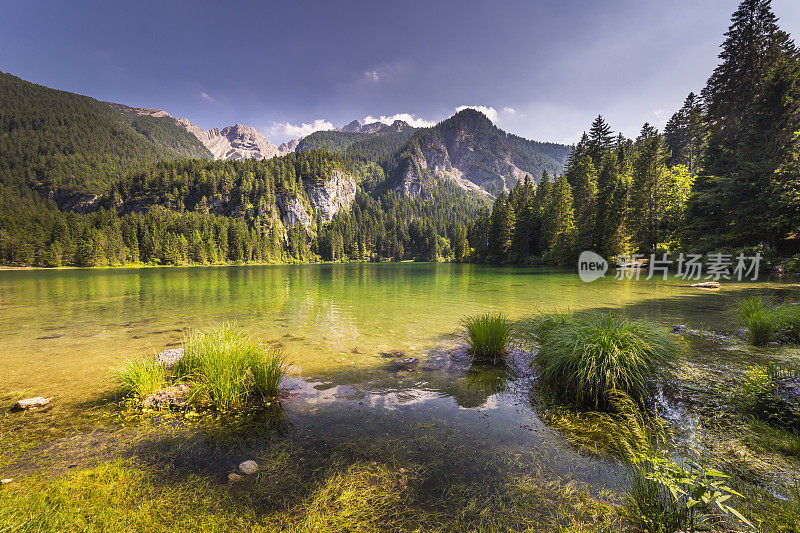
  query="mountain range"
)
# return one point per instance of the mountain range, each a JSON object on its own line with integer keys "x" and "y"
{"x": 63, "y": 144}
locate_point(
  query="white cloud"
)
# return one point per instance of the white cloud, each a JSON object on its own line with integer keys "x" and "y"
{"x": 301, "y": 130}
{"x": 372, "y": 75}
{"x": 661, "y": 117}
{"x": 490, "y": 112}
{"x": 207, "y": 97}
{"x": 509, "y": 110}
{"x": 405, "y": 117}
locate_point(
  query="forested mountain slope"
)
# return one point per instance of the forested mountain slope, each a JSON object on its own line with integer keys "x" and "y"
{"x": 471, "y": 151}
{"x": 64, "y": 143}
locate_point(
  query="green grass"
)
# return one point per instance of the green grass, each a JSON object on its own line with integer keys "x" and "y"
{"x": 227, "y": 366}
{"x": 488, "y": 335}
{"x": 768, "y": 321}
{"x": 583, "y": 358}
{"x": 140, "y": 376}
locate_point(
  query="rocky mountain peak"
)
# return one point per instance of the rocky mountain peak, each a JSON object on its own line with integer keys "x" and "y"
{"x": 353, "y": 127}
{"x": 233, "y": 142}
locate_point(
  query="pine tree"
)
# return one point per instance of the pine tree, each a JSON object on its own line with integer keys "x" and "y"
{"x": 601, "y": 140}
{"x": 559, "y": 222}
{"x": 730, "y": 198}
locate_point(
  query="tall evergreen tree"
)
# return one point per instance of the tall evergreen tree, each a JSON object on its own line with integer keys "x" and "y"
{"x": 731, "y": 197}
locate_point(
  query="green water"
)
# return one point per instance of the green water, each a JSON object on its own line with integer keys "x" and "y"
{"x": 61, "y": 333}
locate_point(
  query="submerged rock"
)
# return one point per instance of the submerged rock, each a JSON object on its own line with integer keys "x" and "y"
{"x": 393, "y": 353}
{"x": 29, "y": 403}
{"x": 169, "y": 398}
{"x": 170, "y": 358}
{"x": 409, "y": 363}
{"x": 233, "y": 477}
{"x": 248, "y": 467}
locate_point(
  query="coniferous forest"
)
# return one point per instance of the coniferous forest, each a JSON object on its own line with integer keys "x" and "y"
{"x": 84, "y": 185}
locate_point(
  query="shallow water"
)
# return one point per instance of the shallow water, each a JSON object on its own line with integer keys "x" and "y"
{"x": 62, "y": 331}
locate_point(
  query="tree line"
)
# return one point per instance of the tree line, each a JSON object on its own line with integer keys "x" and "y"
{"x": 724, "y": 174}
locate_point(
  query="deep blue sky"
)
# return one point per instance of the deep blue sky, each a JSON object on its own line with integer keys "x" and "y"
{"x": 556, "y": 63}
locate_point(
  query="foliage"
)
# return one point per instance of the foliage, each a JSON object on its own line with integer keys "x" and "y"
{"x": 768, "y": 321}
{"x": 488, "y": 335}
{"x": 589, "y": 356}
{"x": 694, "y": 487}
{"x": 141, "y": 376}
{"x": 752, "y": 115}
{"x": 225, "y": 366}
{"x": 760, "y": 395}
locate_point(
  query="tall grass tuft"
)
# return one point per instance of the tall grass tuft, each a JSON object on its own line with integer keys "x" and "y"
{"x": 585, "y": 358}
{"x": 140, "y": 376}
{"x": 226, "y": 365}
{"x": 488, "y": 335}
{"x": 767, "y": 320}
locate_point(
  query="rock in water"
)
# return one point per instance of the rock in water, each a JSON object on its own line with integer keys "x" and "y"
{"x": 707, "y": 285}
{"x": 170, "y": 398}
{"x": 248, "y": 467}
{"x": 31, "y": 402}
{"x": 233, "y": 477}
{"x": 409, "y": 363}
{"x": 170, "y": 358}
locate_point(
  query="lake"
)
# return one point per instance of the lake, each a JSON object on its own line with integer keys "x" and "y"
{"x": 63, "y": 331}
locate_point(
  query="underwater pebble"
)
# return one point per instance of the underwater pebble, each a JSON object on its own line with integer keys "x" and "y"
{"x": 6, "y": 481}
{"x": 233, "y": 477}
{"x": 248, "y": 467}
{"x": 31, "y": 402}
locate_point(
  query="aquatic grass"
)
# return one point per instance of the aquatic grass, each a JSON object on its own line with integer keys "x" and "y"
{"x": 588, "y": 356}
{"x": 767, "y": 320}
{"x": 267, "y": 372}
{"x": 226, "y": 365}
{"x": 141, "y": 376}
{"x": 488, "y": 335}
{"x": 624, "y": 433}
{"x": 361, "y": 498}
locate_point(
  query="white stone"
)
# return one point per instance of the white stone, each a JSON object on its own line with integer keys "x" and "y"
{"x": 248, "y": 467}
{"x": 27, "y": 403}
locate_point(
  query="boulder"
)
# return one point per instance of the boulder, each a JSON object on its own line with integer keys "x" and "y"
{"x": 29, "y": 403}
{"x": 248, "y": 467}
{"x": 789, "y": 389}
{"x": 169, "y": 358}
{"x": 173, "y": 397}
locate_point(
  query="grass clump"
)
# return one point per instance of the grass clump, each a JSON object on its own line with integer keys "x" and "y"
{"x": 768, "y": 321}
{"x": 584, "y": 358}
{"x": 141, "y": 376}
{"x": 226, "y": 367}
{"x": 488, "y": 335}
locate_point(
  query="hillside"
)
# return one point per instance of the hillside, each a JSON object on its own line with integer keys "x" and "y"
{"x": 471, "y": 151}
{"x": 59, "y": 142}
